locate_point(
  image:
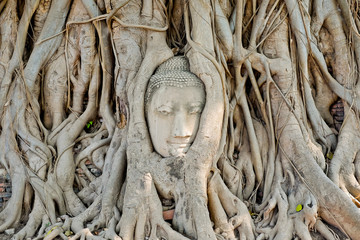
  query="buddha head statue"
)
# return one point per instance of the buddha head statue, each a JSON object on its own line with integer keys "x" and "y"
{"x": 174, "y": 100}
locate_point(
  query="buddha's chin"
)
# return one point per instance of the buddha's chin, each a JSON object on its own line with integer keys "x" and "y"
{"x": 178, "y": 150}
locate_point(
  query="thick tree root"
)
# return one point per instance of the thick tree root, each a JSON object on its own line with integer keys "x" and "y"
{"x": 343, "y": 166}
{"x": 230, "y": 214}
{"x": 117, "y": 174}
{"x": 142, "y": 213}
{"x": 325, "y": 231}
{"x": 36, "y": 217}
{"x": 274, "y": 208}
{"x": 269, "y": 154}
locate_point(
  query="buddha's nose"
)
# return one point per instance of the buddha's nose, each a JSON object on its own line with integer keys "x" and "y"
{"x": 181, "y": 128}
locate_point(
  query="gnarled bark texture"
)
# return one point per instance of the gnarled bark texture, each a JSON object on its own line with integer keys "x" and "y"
{"x": 277, "y": 153}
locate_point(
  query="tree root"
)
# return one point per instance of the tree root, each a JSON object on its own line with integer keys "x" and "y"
{"x": 89, "y": 214}
{"x": 117, "y": 175}
{"x": 142, "y": 216}
{"x": 55, "y": 87}
{"x": 44, "y": 224}
{"x": 342, "y": 168}
{"x": 9, "y": 26}
{"x": 30, "y": 7}
{"x": 281, "y": 161}
{"x": 110, "y": 233}
{"x": 49, "y": 192}
{"x": 274, "y": 208}
{"x": 325, "y": 231}
{"x": 36, "y": 217}
{"x": 11, "y": 214}
{"x": 11, "y": 159}
{"x": 87, "y": 152}
{"x": 66, "y": 138}
{"x": 228, "y": 212}
{"x": 107, "y": 67}
{"x": 305, "y": 218}
{"x": 49, "y": 232}
{"x": 86, "y": 234}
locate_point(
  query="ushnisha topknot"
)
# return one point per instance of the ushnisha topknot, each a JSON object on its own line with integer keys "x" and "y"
{"x": 174, "y": 72}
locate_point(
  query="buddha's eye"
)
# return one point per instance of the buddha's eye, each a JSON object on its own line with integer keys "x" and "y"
{"x": 164, "y": 110}
{"x": 195, "y": 110}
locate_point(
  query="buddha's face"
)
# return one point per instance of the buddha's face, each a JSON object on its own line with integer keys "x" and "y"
{"x": 173, "y": 116}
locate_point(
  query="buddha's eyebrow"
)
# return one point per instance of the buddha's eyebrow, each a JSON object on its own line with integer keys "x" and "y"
{"x": 166, "y": 105}
{"x": 197, "y": 104}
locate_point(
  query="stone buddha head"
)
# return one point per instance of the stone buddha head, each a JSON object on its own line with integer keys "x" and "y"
{"x": 174, "y": 100}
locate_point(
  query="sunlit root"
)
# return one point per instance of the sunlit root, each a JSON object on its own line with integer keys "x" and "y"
{"x": 88, "y": 152}
{"x": 253, "y": 141}
{"x": 11, "y": 159}
{"x": 65, "y": 142}
{"x": 55, "y": 86}
{"x": 303, "y": 212}
{"x": 129, "y": 61}
{"x": 232, "y": 176}
{"x": 30, "y": 7}
{"x": 43, "y": 50}
{"x": 324, "y": 97}
{"x": 223, "y": 31}
{"x": 81, "y": 55}
{"x": 342, "y": 170}
{"x": 325, "y": 231}
{"x": 110, "y": 232}
{"x": 36, "y": 217}
{"x": 245, "y": 156}
{"x": 8, "y": 31}
{"x": 44, "y": 224}
{"x": 142, "y": 215}
{"x": 114, "y": 174}
{"x": 54, "y": 231}
{"x": 349, "y": 182}
{"x": 270, "y": 137}
{"x": 78, "y": 223}
{"x": 49, "y": 193}
{"x": 273, "y": 209}
{"x": 86, "y": 234}
{"x": 230, "y": 214}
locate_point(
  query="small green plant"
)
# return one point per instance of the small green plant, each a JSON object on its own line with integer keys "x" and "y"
{"x": 89, "y": 124}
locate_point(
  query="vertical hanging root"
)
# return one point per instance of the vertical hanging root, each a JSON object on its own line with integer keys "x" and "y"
{"x": 66, "y": 140}
{"x": 13, "y": 162}
{"x": 55, "y": 91}
{"x": 29, "y": 9}
{"x": 12, "y": 212}
{"x": 254, "y": 143}
{"x": 117, "y": 175}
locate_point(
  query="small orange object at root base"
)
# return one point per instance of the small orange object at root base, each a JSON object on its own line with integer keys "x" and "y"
{"x": 168, "y": 214}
